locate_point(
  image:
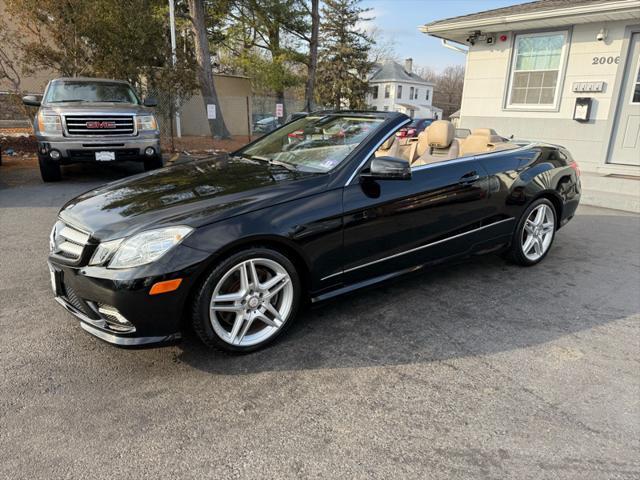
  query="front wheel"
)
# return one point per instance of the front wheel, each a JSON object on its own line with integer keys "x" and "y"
{"x": 152, "y": 163}
{"x": 247, "y": 301}
{"x": 49, "y": 170}
{"x": 535, "y": 233}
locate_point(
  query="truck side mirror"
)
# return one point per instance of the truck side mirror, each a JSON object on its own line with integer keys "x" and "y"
{"x": 31, "y": 101}
{"x": 150, "y": 102}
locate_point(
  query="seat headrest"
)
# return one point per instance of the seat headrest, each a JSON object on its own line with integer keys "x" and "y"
{"x": 485, "y": 132}
{"x": 440, "y": 134}
{"x": 491, "y": 135}
{"x": 423, "y": 143}
{"x": 387, "y": 143}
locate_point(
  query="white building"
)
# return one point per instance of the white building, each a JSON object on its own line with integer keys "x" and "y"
{"x": 560, "y": 71}
{"x": 396, "y": 88}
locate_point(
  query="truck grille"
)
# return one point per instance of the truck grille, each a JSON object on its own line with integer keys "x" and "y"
{"x": 67, "y": 241}
{"x": 84, "y": 125}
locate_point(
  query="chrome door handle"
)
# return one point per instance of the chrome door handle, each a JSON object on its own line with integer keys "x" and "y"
{"x": 469, "y": 178}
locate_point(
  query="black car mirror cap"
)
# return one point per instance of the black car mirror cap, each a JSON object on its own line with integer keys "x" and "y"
{"x": 31, "y": 101}
{"x": 150, "y": 102}
{"x": 388, "y": 168}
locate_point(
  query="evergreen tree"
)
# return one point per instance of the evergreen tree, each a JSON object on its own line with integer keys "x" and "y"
{"x": 344, "y": 64}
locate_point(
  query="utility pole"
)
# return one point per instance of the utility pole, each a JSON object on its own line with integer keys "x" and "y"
{"x": 174, "y": 58}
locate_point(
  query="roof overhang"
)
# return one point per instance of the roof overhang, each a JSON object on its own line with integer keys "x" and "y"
{"x": 458, "y": 29}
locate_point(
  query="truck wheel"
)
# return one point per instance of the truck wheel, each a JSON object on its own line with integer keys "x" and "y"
{"x": 49, "y": 171}
{"x": 153, "y": 163}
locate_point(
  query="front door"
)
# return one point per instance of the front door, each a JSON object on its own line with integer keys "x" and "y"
{"x": 391, "y": 225}
{"x": 626, "y": 147}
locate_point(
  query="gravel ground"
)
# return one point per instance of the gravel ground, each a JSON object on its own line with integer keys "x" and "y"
{"x": 479, "y": 370}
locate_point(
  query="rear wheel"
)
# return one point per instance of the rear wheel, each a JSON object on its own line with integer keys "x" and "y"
{"x": 247, "y": 301}
{"x": 49, "y": 170}
{"x": 535, "y": 233}
{"x": 153, "y": 163}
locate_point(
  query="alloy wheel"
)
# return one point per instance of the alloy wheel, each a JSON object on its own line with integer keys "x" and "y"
{"x": 251, "y": 302}
{"x": 537, "y": 233}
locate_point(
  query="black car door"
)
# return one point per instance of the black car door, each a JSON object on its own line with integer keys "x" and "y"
{"x": 391, "y": 225}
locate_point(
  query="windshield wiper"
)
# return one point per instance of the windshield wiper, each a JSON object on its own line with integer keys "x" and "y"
{"x": 271, "y": 161}
{"x": 69, "y": 100}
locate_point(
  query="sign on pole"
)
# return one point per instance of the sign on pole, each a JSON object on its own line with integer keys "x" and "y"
{"x": 211, "y": 111}
{"x": 279, "y": 110}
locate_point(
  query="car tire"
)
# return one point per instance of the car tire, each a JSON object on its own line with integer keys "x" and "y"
{"x": 49, "y": 171}
{"x": 153, "y": 163}
{"x": 240, "y": 325}
{"x": 532, "y": 241}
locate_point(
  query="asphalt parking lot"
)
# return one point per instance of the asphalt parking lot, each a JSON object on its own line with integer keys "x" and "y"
{"x": 479, "y": 370}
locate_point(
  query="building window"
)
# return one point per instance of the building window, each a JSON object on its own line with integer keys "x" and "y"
{"x": 399, "y": 93}
{"x": 536, "y": 69}
{"x": 411, "y": 93}
{"x": 387, "y": 91}
{"x": 427, "y": 95}
{"x": 374, "y": 91}
{"x": 636, "y": 91}
{"x": 386, "y": 108}
{"x": 415, "y": 97}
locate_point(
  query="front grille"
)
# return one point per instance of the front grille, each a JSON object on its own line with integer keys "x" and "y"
{"x": 69, "y": 242}
{"x": 86, "y": 125}
{"x": 90, "y": 155}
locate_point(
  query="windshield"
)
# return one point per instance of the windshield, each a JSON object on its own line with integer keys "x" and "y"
{"x": 316, "y": 143}
{"x": 62, "y": 92}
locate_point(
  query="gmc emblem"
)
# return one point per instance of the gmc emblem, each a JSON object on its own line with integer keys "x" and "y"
{"x": 94, "y": 125}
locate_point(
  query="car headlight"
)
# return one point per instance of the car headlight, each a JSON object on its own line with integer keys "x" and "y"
{"x": 49, "y": 123}
{"x": 143, "y": 248}
{"x": 146, "y": 123}
{"x": 105, "y": 251}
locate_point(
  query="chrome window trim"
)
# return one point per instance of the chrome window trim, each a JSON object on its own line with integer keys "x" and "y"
{"x": 415, "y": 249}
{"x": 472, "y": 157}
{"x": 372, "y": 151}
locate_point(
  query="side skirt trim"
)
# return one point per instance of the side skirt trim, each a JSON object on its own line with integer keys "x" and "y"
{"x": 421, "y": 247}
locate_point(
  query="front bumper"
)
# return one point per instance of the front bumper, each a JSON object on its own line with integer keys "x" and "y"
{"x": 86, "y": 292}
{"x": 82, "y": 149}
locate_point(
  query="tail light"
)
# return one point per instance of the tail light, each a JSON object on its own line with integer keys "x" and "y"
{"x": 297, "y": 134}
{"x": 575, "y": 166}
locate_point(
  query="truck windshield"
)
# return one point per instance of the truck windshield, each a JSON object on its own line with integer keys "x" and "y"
{"x": 63, "y": 92}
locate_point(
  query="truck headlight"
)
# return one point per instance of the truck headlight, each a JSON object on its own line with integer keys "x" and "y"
{"x": 146, "y": 123}
{"x": 49, "y": 123}
{"x": 146, "y": 247}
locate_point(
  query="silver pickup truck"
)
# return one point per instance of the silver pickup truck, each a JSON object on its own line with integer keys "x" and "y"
{"x": 93, "y": 120}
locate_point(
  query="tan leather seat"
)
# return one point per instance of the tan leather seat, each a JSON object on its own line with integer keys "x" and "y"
{"x": 482, "y": 140}
{"x": 389, "y": 148}
{"x": 441, "y": 144}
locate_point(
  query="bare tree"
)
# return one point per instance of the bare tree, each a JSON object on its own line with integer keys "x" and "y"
{"x": 384, "y": 48}
{"x": 309, "y": 103}
{"x": 205, "y": 73}
{"x": 447, "y": 93}
{"x": 9, "y": 68}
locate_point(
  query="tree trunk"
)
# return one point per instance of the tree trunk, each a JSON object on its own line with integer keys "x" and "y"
{"x": 309, "y": 103}
{"x": 205, "y": 74}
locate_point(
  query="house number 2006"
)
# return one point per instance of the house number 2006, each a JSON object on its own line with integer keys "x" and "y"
{"x": 603, "y": 60}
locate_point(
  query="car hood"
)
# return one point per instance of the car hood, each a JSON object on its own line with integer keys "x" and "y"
{"x": 96, "y": 108}
{"x": 194, "y": 193}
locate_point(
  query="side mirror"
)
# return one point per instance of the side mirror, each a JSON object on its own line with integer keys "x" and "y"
{"x": 150, "y": 102}
{"x": 31, "y": 101}
{"x": 388, "y": 168}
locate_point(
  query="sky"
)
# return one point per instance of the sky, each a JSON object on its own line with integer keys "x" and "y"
{"x": 398, "y": 21}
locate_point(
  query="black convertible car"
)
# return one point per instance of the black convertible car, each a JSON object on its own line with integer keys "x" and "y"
{"x": 324, "y": 205}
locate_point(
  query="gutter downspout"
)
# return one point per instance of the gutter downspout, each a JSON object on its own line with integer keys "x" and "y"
{"x": 453, "y": 47}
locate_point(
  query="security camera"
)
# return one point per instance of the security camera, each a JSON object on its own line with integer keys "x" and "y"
{"x": 602, "y": 35}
